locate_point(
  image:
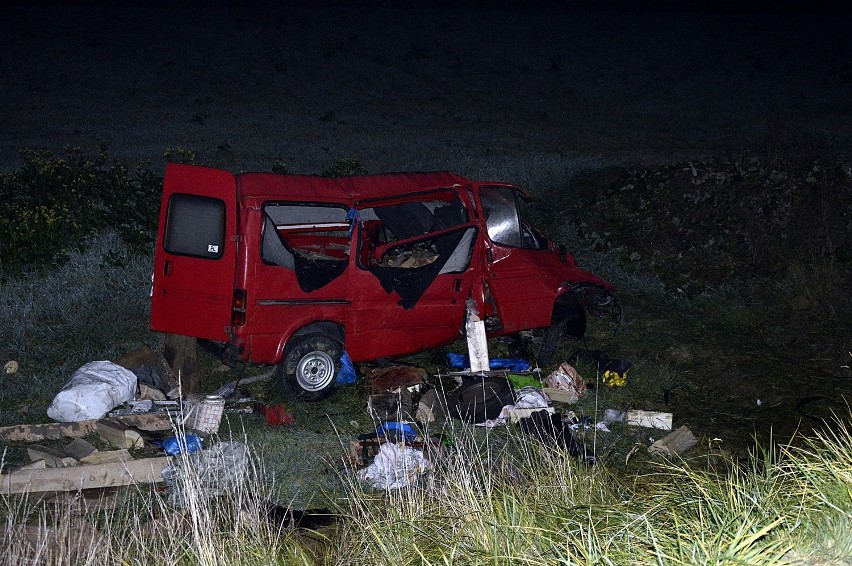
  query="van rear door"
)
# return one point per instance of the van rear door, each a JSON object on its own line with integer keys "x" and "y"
{"x": 195, "y": 257}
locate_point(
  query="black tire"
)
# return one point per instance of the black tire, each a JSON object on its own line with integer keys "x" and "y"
{"x": 480, "y": 398}
{"x": 569, "y": 318}
{"x": 550, "y": 342}
{"x": 309, "y": 369}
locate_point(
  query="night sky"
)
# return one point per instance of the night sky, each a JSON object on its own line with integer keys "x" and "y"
{"x": 468, "y": 89}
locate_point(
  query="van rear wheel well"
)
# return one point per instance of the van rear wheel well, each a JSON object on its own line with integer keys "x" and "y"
{"x": 326, "y": 327}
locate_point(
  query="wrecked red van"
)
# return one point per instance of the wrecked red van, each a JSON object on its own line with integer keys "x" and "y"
{"x": 294, "y": 269}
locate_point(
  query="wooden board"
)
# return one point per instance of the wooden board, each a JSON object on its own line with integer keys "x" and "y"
{"x": 39, "y": 432}
{"x": 84, "y": 477}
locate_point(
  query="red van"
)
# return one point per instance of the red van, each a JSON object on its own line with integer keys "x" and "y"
{"x": 294, "y": 269}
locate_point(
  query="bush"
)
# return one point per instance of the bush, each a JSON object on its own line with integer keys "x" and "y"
{"x": 53, "y": 204}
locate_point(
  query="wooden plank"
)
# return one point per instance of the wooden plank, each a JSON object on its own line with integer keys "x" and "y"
{"x": 84, "y": 477}
{"x": 34, "y": 465}
{"x": 39, "y": 432}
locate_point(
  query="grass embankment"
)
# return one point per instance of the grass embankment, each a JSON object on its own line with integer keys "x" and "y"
{"x": 486, "y": 501}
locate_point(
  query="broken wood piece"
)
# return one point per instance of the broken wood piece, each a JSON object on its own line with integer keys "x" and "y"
{"x": 675, "y": 442}
{"x": 650, "y": 419}
{"x": 79, "y": 448}
{"x": 52, "y": 431}
{"x": 52, "y": 457}
{"x": 116, "y": 434}
{"x": 107, "y": 457}
{"x": 148, "y": 470}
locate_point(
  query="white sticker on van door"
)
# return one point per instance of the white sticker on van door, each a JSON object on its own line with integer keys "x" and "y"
{"x": 212, "y": 248}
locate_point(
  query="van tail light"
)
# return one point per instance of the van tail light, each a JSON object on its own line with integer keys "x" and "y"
{"x": 238, "y": 310}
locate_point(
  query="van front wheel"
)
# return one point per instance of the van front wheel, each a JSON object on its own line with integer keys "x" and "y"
{"x": 309, "y": 369}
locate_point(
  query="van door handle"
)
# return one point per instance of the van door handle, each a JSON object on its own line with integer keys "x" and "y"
{"x": 458, "y": 284}
{"x": 167, "y": 268}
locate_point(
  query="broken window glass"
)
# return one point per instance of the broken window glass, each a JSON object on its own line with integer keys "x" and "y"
{"x": 312, "y": 240}
{"x": 407, "y": 244}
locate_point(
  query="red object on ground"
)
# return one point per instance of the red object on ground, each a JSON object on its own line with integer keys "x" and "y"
{"x": 277, "y": 415}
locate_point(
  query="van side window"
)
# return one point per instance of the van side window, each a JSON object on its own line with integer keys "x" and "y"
{"x": 312, "y": 240}
{"x": 195, "y": 226}
{"x": 407, "y": 244}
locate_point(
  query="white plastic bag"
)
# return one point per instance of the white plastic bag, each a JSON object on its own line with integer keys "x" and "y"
{"x": 394, "y": 467}
{"x": 93, "y": 391}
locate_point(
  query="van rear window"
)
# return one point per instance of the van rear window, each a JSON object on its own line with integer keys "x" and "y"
{"x": 195, "y": 226}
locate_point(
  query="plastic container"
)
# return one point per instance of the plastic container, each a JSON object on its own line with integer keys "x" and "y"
{"x": 206, "y": 415}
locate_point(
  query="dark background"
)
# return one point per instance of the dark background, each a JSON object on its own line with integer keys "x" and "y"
{"x": 398, "y": 86}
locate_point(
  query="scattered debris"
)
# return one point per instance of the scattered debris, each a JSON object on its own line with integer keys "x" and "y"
{"x": 633, "y": 417}
{"x": 515, "y": 415}
{"x": 394, "y": 378}
{"x": 150, "y": 393}
{"x": 206, "y": 473}
{"x": 479, "y": 399}
{"x": 674, "y": 443}
{"x": 431, "y": 407}
{"x": 116, "y": 434}
{"x": 395, "y": 466}
{"x": 276, "y": 415}
{"x": 567, "y": 379}
{"x": 79, "y": 448}
{"x": 204, "y": 415}
{"x": 230, "y": 388}
{"x": 477, "y": 344}
{"x": 150, "y": 367}
{"x": 52, "y": 457}
{"x": 390, "y": 406}
{"x": 11, "y": 367}
{"x": 181, "y": 444}
{"x": 649, "y": 419}
{"x": 552, "y": 429}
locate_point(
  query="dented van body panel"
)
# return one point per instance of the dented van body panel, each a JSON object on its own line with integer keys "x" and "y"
{"x": 383, "y": 264}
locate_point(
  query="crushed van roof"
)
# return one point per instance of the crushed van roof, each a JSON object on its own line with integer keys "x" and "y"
{"x": 342, "y": 189}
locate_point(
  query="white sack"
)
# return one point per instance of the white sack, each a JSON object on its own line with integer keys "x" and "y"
{"x": 93, "y": 391}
